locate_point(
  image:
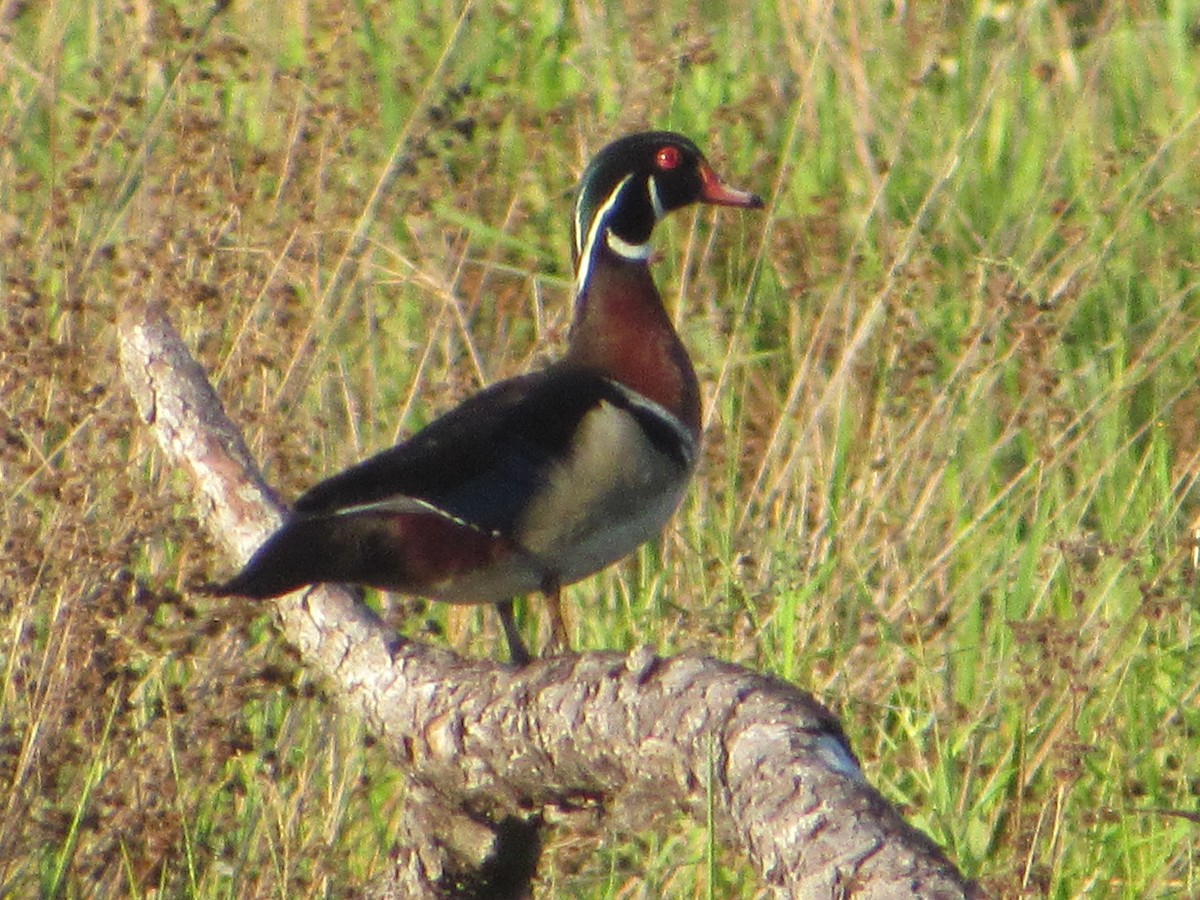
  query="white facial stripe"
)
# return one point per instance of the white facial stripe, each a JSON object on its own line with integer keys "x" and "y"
{"x": 626, "y": 250}
{"x": 579, "y": 226}
{"x": 585, "y": 252}
{"x": 655, "y": 200}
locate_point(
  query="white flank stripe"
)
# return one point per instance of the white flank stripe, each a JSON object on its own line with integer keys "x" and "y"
{"x": 403, "y": 504}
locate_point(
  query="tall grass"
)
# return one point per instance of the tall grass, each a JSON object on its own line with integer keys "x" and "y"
{"x": 951, "y": 445}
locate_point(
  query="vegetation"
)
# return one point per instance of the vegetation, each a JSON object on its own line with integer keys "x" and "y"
{"x": 951, "y": 379}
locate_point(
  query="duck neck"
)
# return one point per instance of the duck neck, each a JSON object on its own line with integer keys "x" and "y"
{"x": 622, "y": 330}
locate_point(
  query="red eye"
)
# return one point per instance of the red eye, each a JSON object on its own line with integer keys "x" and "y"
{"x": 668, "y": 157}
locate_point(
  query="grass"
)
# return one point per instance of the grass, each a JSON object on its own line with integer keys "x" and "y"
{"x": 950, "y": 468}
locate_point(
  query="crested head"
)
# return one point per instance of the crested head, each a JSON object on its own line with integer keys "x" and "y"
{"x": 633, "y": 183}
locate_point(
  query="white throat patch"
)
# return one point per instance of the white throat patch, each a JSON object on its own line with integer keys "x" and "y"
{"x": 626, "y": 250}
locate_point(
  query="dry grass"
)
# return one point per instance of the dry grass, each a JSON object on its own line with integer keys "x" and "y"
{"x": 951, "y": 456}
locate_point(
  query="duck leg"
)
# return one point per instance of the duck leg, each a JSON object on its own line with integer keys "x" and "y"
{"x": 558, "y": 625}
{"x": 516, "y": 647}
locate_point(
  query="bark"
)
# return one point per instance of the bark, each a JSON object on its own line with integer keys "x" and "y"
{"x": 490, "y": 749}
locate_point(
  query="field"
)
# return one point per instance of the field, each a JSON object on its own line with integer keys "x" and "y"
{"x": 950, "y": 380}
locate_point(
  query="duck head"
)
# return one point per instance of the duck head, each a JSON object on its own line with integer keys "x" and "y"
{"x": 633, "y": 183}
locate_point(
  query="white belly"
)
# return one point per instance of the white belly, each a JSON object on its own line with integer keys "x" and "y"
{"x": 613, "y": 493}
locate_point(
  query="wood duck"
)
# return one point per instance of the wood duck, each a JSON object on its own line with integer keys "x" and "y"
{"x": 540, "y": 480}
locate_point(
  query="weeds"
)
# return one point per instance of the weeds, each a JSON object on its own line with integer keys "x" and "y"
{"x": 950, "y": 459}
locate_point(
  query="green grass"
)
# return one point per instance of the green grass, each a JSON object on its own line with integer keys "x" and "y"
{"x": 949, "y": 474}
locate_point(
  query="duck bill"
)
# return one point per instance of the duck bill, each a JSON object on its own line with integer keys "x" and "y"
{"x": 716, "y": 192}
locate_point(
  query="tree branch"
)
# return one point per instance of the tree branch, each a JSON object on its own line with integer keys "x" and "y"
{"x": 489, "y": 747}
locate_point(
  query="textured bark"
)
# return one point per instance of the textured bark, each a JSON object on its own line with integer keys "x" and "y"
{"x": 490, "y": 748}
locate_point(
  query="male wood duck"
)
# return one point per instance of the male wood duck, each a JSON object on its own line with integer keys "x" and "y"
{"x": 541, "y": 480}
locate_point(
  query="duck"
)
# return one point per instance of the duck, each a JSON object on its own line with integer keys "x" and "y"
{"x": 540, "y": 480}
